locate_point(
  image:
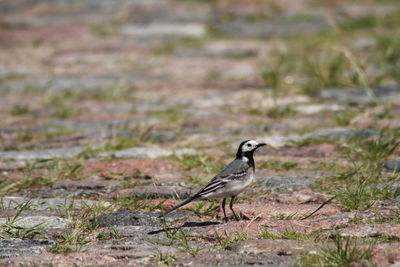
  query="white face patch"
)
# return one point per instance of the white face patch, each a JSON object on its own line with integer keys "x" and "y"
{"x": 249, "y": 146}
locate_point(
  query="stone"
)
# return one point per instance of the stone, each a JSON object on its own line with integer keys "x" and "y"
{"x": 393, "y": 165}
{"x": 71, "y": 83}
{"x": 147, "y": 152}
{"x": 280, "y": 247}
{"x": 136, "y": 218}
{"x": 282, "y": 183}
{"x": 328, "y": 134}
{"x": 316, "y": 108}
{"x": 386, "y": 254}
{"x": 390, "y": 231}
{"x": 143, "y": 251}
{"x": 167, "y": 191}
{"x": 45, "y": 222}
{"x": 268, "y": 29}
{"x": 114, "y": 124}
{"x": 340, "y": 133}
{"x": 359, "y": 96}
{"x": 45, "y": 154}
{"x": 90, "y": 186}
{"x": 12, "y": 165}
{"x": 313, "y": 151}
{"x": 49, "y": 203}
{"x": 51, "y": 259}
{"x": 231, "y": 258}
{"x": 194, "y": 30}
{"x": 18, "y": 247}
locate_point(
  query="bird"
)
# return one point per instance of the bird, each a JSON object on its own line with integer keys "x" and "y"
{"x": 229, "y": 182}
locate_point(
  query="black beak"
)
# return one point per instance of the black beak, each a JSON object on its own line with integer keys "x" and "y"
{"x": 261, "y": 144}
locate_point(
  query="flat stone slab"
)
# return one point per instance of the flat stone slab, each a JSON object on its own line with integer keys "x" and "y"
{"x": 146, "y": 152}
{"x": 138, "y": 218}
{"x": 174, "y": 191}
{"x": 392, "y": 165}
{"x": 143, "y": 251}
{"x": 45, "y": 222}
{"x": 391, "y": 231}
{"x": 360, "y": 96}
{"x": 18, "y": 247}
{"x": 49, "y": 203}
{"x": 231, "y": 258}
{"x": 282, "y": 247}
{"x": 45, "y": 154}
{"x": 282, "y": 183}
{"x": 164, "y": 30}
{"x": 329, "y": 134}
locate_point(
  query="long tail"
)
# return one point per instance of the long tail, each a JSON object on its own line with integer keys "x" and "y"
{"x": 187, "y": 201}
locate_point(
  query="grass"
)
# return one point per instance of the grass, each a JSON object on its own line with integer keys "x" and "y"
{"x": 136, "y": 203}
{"x": 286, "y": 234}
{"x": 74, "y": 240}
{"x": 112, "y": 233}
{"x": 198, "y": 164}
{"x": 10, "y": 229}
{"x": 170, "y": 46}
{"x": 122, "y": 141}
{"x": 164, "y": 258}
{"x": 106, "y": 29}
{"x": 43, "y": 173}
{"x": 41, "y": 136}
{"x": 277, "y": 165}
{"x": 365, "y": 181}
{"x": 343, "y": 252}
{"x": 344, "y": 117}
{"x": 202, "y": 209}
{"x": 225, "y": 240}
{"x": 20, "y": 110}
{"x": 316, "y": 61}
{"x": 181, "y": 239}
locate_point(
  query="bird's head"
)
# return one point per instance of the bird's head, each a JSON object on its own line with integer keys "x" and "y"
{"x": 247, "y": 148}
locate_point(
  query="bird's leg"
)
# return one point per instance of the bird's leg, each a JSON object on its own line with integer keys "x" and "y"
{"x": 223, "y": 209}
{"x": 231, "y": 206}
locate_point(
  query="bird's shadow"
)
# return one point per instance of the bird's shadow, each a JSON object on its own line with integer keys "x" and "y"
{"x": 185, "y": 225}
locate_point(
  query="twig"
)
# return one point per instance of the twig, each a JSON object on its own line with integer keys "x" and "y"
{"x": 320, "y": 207}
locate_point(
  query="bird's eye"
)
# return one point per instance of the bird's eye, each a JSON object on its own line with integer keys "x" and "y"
{"x": 248, "y": 145}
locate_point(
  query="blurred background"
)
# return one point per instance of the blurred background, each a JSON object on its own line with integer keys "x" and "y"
{"x": 90, "y": 73}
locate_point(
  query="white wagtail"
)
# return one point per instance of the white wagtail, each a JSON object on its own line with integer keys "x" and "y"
{"x": 231, "y": 181}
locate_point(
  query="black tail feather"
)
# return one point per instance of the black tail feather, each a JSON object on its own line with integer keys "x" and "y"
{"x": 187, "y": 201}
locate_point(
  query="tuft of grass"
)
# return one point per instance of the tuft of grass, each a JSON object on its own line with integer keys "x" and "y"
{"x": 180, "y": 238}
{"x": 344, "y": 252}
{"x": 344, "y": 117}
{"x": 75, "y": 239}
{"x": 364, "y": 182}
{"x": 111, "y": 234}
{"x": 225, "y": 240}
{"x": 106, "y": 29}
{"x": 170, "y": 46}
{"x": 201, "y": 209}
{"x": 286, "y": 234}
{"x": 164, "y": 259}
{"x": 20, "y": 110}
{"x": 10, "y": 229}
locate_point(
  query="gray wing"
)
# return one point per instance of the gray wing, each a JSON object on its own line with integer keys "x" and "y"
{"x": 234, "y": 170}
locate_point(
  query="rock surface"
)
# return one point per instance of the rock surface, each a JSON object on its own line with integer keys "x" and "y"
{"x": 17, "y": 247}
